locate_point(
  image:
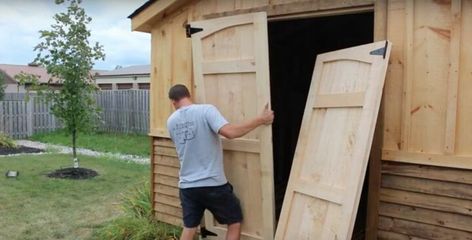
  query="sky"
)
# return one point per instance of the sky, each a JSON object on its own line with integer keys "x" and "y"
{"x": 21, "y": 20}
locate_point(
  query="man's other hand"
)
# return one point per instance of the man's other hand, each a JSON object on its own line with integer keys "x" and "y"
{"x": 267, "y": 115}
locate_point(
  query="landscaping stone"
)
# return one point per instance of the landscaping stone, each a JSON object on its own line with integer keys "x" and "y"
{"x": 18, "y": 150}
{"x": 87, "y": 152}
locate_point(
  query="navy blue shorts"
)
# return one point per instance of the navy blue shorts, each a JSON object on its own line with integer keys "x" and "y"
{"x": 219, "y": 200}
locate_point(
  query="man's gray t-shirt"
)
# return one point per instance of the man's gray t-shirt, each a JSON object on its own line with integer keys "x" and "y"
{"x": 194, "y": 130}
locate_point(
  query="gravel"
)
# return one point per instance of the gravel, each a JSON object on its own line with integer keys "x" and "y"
{"x": 67, "y": 150}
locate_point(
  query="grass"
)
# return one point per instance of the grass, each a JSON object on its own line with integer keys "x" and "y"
{"x": 37, "y": 207}
{"x": 104, "y": 142}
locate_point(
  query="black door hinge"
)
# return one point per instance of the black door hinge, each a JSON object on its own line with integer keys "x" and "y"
{"x": 380, "y": 51}
{"x": 191, "y": 30}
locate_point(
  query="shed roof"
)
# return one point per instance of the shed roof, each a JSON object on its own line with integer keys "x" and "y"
{"x": 143, "y": 17}
{"x": 141, "y": 8}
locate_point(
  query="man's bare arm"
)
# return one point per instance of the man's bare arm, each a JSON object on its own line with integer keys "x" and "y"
{"x": 235, "y": 130}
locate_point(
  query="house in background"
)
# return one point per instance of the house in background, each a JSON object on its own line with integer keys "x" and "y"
{"x": 132, "y": 77}
{"x": 10, "y": 70}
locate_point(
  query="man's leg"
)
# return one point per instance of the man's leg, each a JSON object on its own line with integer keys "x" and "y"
{"x": 234, "y": 231}
{"x": 188, "y": 233}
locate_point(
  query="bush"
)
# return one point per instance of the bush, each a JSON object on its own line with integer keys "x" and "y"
{"x": 137, "y": 203}
{"x": 129, "y": 228}
{"x": 138, "y": 222}
{"x": 6, "y": 141}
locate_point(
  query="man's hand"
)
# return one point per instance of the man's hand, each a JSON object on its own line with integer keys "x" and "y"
{"x": 267, "y": 115}
{"x": 232, "y": 130}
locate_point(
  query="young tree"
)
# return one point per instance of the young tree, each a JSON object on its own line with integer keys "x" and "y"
{"x": 2, "y": 86}
{"x": 68, "y": 56}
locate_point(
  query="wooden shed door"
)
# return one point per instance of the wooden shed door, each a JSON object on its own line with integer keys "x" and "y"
{"x": 334, "y": 144}
{"x": 231, "y": 71}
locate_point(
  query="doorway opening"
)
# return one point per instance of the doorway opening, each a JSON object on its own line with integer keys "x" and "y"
{"x": 293, "y": 47}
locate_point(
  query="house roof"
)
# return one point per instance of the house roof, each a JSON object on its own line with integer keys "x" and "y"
{"x": 131, "y": 70}
{"x": 8, "y": 79}
{"x": 11, "y": 70}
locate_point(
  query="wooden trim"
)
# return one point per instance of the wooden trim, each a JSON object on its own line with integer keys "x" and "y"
{"x": 151, "y": 184}
{"x": 380, "y": 20}
{"x": 231, "y": 66}
{"x": 339, "y": 100}
{"x": 325, "y": 192}
{"x": 279, "y": 12}
{"x": 375, "y": 158}
{"x": 451, "y": 161}
{"x": 242, "y": 145}
{"x": 159, "y": 133}
{"x": 407, "y": 74}
{"x": 453, "y": 77}
{"x": 322, "y": 13}
{"x": 159, "y": 9}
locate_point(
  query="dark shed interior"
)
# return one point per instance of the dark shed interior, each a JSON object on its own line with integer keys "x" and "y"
{"x": 293, "y": 47}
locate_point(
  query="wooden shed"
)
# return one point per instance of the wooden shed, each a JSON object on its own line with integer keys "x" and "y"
{"x": 419, "y": 183}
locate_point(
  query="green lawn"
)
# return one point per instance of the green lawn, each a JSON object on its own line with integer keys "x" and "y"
{"x": 37, "y": 207}
{"x": 104, "y": 142}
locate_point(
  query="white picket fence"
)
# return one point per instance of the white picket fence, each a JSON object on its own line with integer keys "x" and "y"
{"x": 123, "y": 111}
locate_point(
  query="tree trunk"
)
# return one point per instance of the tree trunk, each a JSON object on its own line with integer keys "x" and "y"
{"x": 74, "y": 148}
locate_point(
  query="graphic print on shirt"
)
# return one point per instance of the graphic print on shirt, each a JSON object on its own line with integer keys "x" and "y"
{"x": 184, "y": 131}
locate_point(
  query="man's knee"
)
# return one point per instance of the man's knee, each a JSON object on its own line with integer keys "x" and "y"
{"x": 188, "y": 233}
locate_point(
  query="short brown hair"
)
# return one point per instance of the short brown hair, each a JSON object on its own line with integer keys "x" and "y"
{"x": 178, "y": 92}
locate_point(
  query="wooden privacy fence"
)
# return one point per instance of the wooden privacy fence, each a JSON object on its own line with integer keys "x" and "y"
{"x": 123, "y": 111}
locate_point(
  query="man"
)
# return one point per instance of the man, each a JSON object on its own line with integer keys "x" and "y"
{"x": 195, "y": 130}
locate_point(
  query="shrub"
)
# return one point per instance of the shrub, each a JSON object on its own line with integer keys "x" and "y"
{"x": 6, "y": 141}
{"x": 130, "y": 228}
{"x": 137, "y": 203}
{"x": 138, "y": 223}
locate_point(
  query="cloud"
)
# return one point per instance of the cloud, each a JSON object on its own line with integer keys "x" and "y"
{"x": 20, "y": 22}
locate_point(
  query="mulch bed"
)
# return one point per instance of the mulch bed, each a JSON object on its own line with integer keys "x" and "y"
{"x": 73, "y": 173}
{"x": 19, "y": 149}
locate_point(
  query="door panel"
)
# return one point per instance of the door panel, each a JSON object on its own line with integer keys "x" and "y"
{"x": 231, "y": 71}
{"x": 334, "y": 144}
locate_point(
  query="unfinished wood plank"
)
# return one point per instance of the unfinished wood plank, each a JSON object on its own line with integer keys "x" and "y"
{"x": 374, "y": 176}
{"x": 167, "y": 190}
{"x": 320, "y": 191}
{"x": 231, "y": 71}
{"x": 453, "y": 77}
{"x": 451, "y": 161}
{"x": 168, "y": 209}
{"x": 434, "y": 187}
{"x": 242, "y": 145}
{"x": 171, "y": 181}
{"x": 415, "y": 229}
{"x": 334, "y": 145}
{"x": 167, "y": 218}
{"x": 229, "y": 66}
{"x": 407, "y": 74}
{"x": 445, "y": 204}
{"x": 168, "y": 200}
{"x": 168, "y": 161}
{"x": 163, "y": 142}
{"x": 165, "y": 151}
{"x": 386, "y": 235}
{"x": 422, "y": 215}
{"x": 339, "y": 100}
{"x": 427, "y": 172}
{"x": 167, "y": 171}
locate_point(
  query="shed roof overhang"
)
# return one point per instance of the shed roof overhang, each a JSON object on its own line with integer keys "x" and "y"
{"x": 150, "y": 12}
